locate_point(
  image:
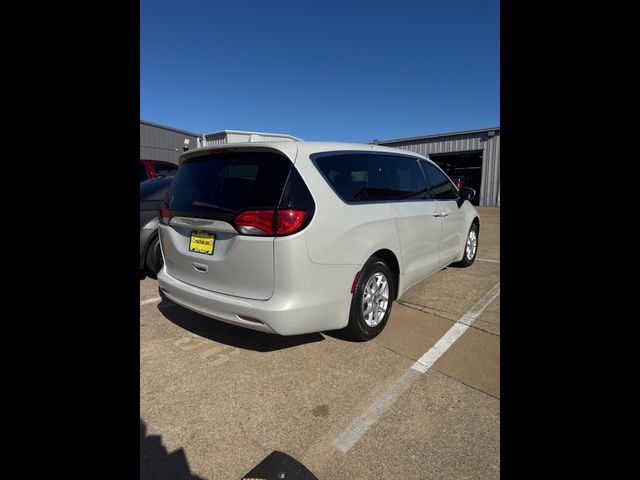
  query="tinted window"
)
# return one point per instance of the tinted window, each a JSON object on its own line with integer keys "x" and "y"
{"x": 403, "y": 178}
{"x": 232, "y": 181}
{"x": 165, "y": 170}
{"x": 154, "y": 189}
{"x": 441, "y": 186}
{"x": 143, "y": 172}
{"x": 296, "y": 194}
{"x": 355, "y": 177}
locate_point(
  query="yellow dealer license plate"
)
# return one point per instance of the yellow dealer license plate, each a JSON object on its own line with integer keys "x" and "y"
{"x": 202, "y": 242}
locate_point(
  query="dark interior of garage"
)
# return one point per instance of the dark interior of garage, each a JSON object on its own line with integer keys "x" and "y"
{"x": 464, "y": 168}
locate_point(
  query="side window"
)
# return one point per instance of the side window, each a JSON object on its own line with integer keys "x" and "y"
{"x": 355, "y": 177}
{"x": 441, "y": 186}
{"x": 403, "y": 178}
{"x": 143, "y": 172}
{"x": 165, "y": 170}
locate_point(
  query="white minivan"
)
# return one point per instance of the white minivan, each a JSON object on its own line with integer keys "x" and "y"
{"x": 300, "y": 237}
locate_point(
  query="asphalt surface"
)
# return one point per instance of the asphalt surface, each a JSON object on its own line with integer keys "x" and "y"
{"x": 217, "y": 399}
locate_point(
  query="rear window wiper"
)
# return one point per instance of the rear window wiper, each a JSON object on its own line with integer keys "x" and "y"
{"x": 211, "y": 205}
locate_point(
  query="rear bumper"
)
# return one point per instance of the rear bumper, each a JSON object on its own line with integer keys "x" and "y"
{"x": 319, "y": 307}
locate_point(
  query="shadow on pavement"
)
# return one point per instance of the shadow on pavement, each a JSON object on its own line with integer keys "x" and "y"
{"x": 228, "y": 334}
{"x": 340, "y": 335}
{"x": 156, "y": 463}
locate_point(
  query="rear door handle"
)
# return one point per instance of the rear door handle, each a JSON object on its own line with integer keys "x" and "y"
{"x": 441, "y": 214}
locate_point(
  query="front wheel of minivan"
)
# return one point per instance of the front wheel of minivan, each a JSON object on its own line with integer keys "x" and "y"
{"x": 470, "y": 247}
{"x": 372, "y": 300}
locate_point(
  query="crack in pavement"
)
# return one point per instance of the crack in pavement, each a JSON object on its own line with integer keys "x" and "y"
{"x": 457, "y": 320}
{"x": 434, "y": 311}
{"x": 463, "y": 383}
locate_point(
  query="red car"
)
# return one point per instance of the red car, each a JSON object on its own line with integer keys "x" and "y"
{"x": 156, "y": 169}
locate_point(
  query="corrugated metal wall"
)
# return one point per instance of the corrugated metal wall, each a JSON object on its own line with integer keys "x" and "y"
{"x": 160, "y": 143}
{"x": 269, "y": 138}
{"x": 235, "y": 137}
{"x": 218, "y": 139}
{"x": 490, "y": 146}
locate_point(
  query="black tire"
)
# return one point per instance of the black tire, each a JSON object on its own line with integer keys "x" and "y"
{"x": 357, "y": 327}
{"x": 153, "y": 260}
{"x": 466, "y": 260}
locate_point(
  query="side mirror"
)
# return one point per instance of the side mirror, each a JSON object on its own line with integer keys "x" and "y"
{"x": 467, "y": 193}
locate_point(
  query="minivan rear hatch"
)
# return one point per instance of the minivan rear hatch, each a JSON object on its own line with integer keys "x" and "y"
{"x": 201, "y": 243}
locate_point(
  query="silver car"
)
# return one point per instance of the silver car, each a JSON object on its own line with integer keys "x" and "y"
{"x": 300, "y": 237}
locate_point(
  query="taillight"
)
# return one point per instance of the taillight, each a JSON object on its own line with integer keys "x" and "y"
{"x": 270, "y": 222}
{"x": 256, "y": 222}
{"x": 165, "y": 215}
{"x": 289, "y": 221}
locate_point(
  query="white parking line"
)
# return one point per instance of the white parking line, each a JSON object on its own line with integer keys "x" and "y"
{"x": 487, "y": 260}
{"x": 360, "y": 425}
{"x": 150, "y": 300}
{"x": 425, "y": 362}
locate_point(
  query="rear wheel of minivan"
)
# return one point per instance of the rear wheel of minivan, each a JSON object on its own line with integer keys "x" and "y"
{"x": 372, "y": 300}
{"x": 153, "y": 260}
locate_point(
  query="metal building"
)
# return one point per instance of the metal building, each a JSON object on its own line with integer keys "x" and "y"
{"x": 471, "y": 157}
{"x": 233, "y": 136}
{"x": 159, "y": 142}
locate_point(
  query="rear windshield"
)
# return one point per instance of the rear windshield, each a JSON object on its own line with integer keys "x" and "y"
{"x": 229, "y": 182}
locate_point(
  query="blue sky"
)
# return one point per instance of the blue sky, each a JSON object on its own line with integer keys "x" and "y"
{"x": 321, "y": 70}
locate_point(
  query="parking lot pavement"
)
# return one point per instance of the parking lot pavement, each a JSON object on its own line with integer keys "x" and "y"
{"x": 438, "y": 429}
{"x": 220, "y": 398}
{"x": 148, "y": 289}
{"x": 489, "y": 244}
